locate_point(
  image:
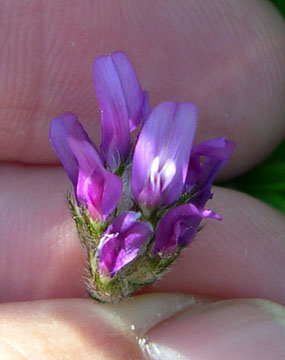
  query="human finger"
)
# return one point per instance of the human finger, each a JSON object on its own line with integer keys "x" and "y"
{"x": 233, "y": 329}
{"x": 81, "y": 328}
{"x": 225, "y": 56}
{"x": 162, "y": 326}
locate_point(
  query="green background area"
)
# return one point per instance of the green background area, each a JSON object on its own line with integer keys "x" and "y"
{"x": 266, "y": 181}
{"x": 280, "y": 4}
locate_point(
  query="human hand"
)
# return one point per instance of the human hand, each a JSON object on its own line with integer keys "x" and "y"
{"x": 226, "y": 56}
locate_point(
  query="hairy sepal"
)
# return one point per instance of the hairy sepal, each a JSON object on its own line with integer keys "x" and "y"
{"x": 144, "y": 270}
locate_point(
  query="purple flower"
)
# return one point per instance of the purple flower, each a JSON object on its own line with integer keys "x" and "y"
{"x": 162, "y": 154}
{"x": 95, "y": 187}
{"x": 164, "y": 172}
{"x": 121, "y": 243}
{"x": 121, "y": 102}
{"x": 178, "y": 227}
{"x": 201, "y": 174}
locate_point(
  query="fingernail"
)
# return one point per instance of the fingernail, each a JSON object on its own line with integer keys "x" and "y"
{"x": 233, "y": 329}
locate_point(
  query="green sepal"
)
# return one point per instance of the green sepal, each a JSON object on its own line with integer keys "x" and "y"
{"x": 144, "y": 270}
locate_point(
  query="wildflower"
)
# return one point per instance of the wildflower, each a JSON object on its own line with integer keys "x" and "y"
{"x": 201, "y": 174}
{"x": 121, "y": 242}
{"x": 121, "y": 103}
{"x": 136, "y": 206}
{"x": 178, "y": 227}
{"x": 95, "y": 188}
{"x": 162, "y": 152}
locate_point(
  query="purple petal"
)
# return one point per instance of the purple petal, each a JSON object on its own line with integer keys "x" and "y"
{"x": 215, "y": 150}
{"x": 120, "y": 99}
{"x": 121, "y": 243}
{"x": 146, "y": 110}
{"x": 98, "y": 189}
{"x": 178, "y": 227}
{"x": 219, "y": 148}
{"x": 61, "y": 129}
{"x": 217, "y": 153}
{"x": 131, "y": 88}
{"x": 162, "y": 154}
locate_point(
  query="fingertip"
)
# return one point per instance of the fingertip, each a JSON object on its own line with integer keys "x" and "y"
{"x": 81, "y": 329}
{"x": 233, "y": 329}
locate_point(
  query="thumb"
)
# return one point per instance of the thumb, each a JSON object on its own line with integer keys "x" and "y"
{"x": 82, "y": 328}
{"x": 153, "y": 326}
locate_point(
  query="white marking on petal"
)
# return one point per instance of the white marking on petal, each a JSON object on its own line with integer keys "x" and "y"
{"x": 167, "y": 172}
{"x": 106, "y": 238}
{"x": 161, "y": 177}
{"x": 154, "y": 169}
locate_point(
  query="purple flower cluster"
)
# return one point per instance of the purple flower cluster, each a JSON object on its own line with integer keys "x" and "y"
{"x": 151, "y": 193}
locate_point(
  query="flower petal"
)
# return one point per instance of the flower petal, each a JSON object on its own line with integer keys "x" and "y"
{"x": 121, "y": 243}
{"x": 131, "y": 88}
{"x": 61, "y": 129}
{"x": 162, "y": 154}
{"x": 97, "y": 188}
{"x": 178, "y": 227}
{"x": 120, "y": 99}
{"x": 146, "y": 110}
{"x": 217, "y": 153}
{"x": 218, "y": 149}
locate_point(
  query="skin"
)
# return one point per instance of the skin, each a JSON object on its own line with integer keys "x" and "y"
{"x": 226, "y": 56}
